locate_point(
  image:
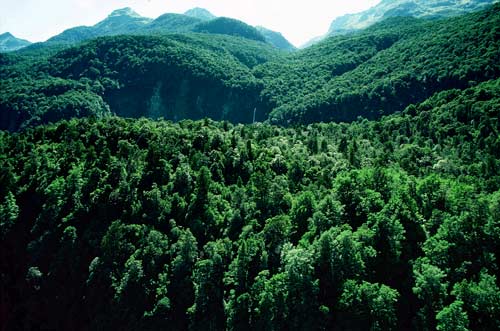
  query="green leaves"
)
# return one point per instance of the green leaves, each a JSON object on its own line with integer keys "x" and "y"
{"x": 381, "y": 70}
{"x": 9, "y": 213}
{"x": 368, "y": 306}
{"x": 142, "y": 224}
{"x": 481, "y": 300}
{"x": 452, "y": 318}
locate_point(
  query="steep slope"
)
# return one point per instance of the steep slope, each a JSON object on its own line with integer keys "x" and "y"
{"x": 379, "y": 71}
{"x": 383, "y": 69}
{"x": 74, "y": 35}
{"x": 126, "y": 21}
{"x": 175, "y": 77}
{"x": 231, "y": 27}
{"x": 171, "y": 23}
{"x": 121, "y": 21}
{"x": 418, "y": 9}
{"x": 9, "y": 43}
{"x": 276, "y": 39}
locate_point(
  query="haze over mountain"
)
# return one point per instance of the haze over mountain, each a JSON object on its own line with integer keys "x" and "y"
{"x": 276, "y": 39}
{"x": 10, "y": 43}
{"x": 413, "y": 8}
{"x": 392, "y": 8}
{"x": 200, "y": 13}
{"x": 126, "y": 21}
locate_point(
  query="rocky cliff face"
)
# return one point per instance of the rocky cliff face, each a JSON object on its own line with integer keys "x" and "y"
{"x": 414, "y": 8}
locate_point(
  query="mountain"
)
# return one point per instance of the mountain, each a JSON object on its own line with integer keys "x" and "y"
{"x": 9, "y": 43}
{"x": 185, "y": 76}
{"x": 392, "y": 8}
{"x": 171, "y": 23}
{"x": 276, "y": 39}
{"x": 197, "y": 181}
{"x": 126, "y": 21}
{"x": 413, "y": 8}
{"x": 272, "y": 37}
{"x": 312, "y": 41}
{"x": 120, "y": 21}
{"x": 231, "y": 27}
{"x": 382, "y": 69}
{"x": 379, "y": 71}
{"x": 200, "y": 13}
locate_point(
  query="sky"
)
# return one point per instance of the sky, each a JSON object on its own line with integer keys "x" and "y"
{"x": 297, "y": 20}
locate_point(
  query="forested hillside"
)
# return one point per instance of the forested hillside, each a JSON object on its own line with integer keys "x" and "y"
{"x": 375, "y": 225}
{"x": 126, "y": 21}
{"x": 209, "y": 181}
{"x": 383, "y": 69}
{"x": 379, "y": 71}
{"x": 174, "y": 77}
{"x": 276, "y": 39}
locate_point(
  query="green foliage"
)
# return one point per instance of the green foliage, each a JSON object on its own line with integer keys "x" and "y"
{"x": 453, "y": 318}
{"x": 174, "y": 77}
{"x": 229, "y": 26}
{"x": 210, "y": 225}
{"x": 382, "y": 69}
{"x": 9, "y": 213}
{"x": 276, "y": 39}
{"x": 125, "y": 21}
{"x": 481, "y": 301}
{"x": 228, "y": 74}
{"x": 368, "y": 306}
{"x": 132, "y": 224}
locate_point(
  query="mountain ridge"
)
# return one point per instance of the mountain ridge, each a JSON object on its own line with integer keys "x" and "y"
{"x": 200, "y": 13}
{"x": 382, "y": 69}
{"x": 418, "y": 9}
{"x": 379, "y": 71}
{"x": 9, "y": 43}
{"x": 127, "y": 21}
{"x": 276, "y": 39}
{"x": 126, "y": 11}
{"x": 434, "y": 9}
{"x": 197, "y": 181}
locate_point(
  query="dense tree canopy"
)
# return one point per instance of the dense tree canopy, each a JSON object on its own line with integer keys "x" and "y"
{"x": 137, "y": 224}
{"x": 383, "y": 69}
{"x": 202, "y": 221}
{"x": 174, "y": 77}
{"x": 378, "y": 71}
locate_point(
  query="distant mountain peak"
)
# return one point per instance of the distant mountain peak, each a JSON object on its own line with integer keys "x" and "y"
{"x": 200, "y": 13}
{"x": 127, "y": 11}
{"x": 6, "y": 35}
{"x": 413, "y": 8}
{"x": 10, "y": 43}
{"x": 350, "y": 23}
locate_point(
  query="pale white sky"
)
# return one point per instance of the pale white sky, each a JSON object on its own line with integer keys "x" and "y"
{"x": 298, "y": 20}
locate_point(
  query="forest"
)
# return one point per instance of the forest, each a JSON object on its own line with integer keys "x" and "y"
{"x": 139, "y": 224}
{"x": 137, "y": 192}
{"x": 378, "y": 71}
